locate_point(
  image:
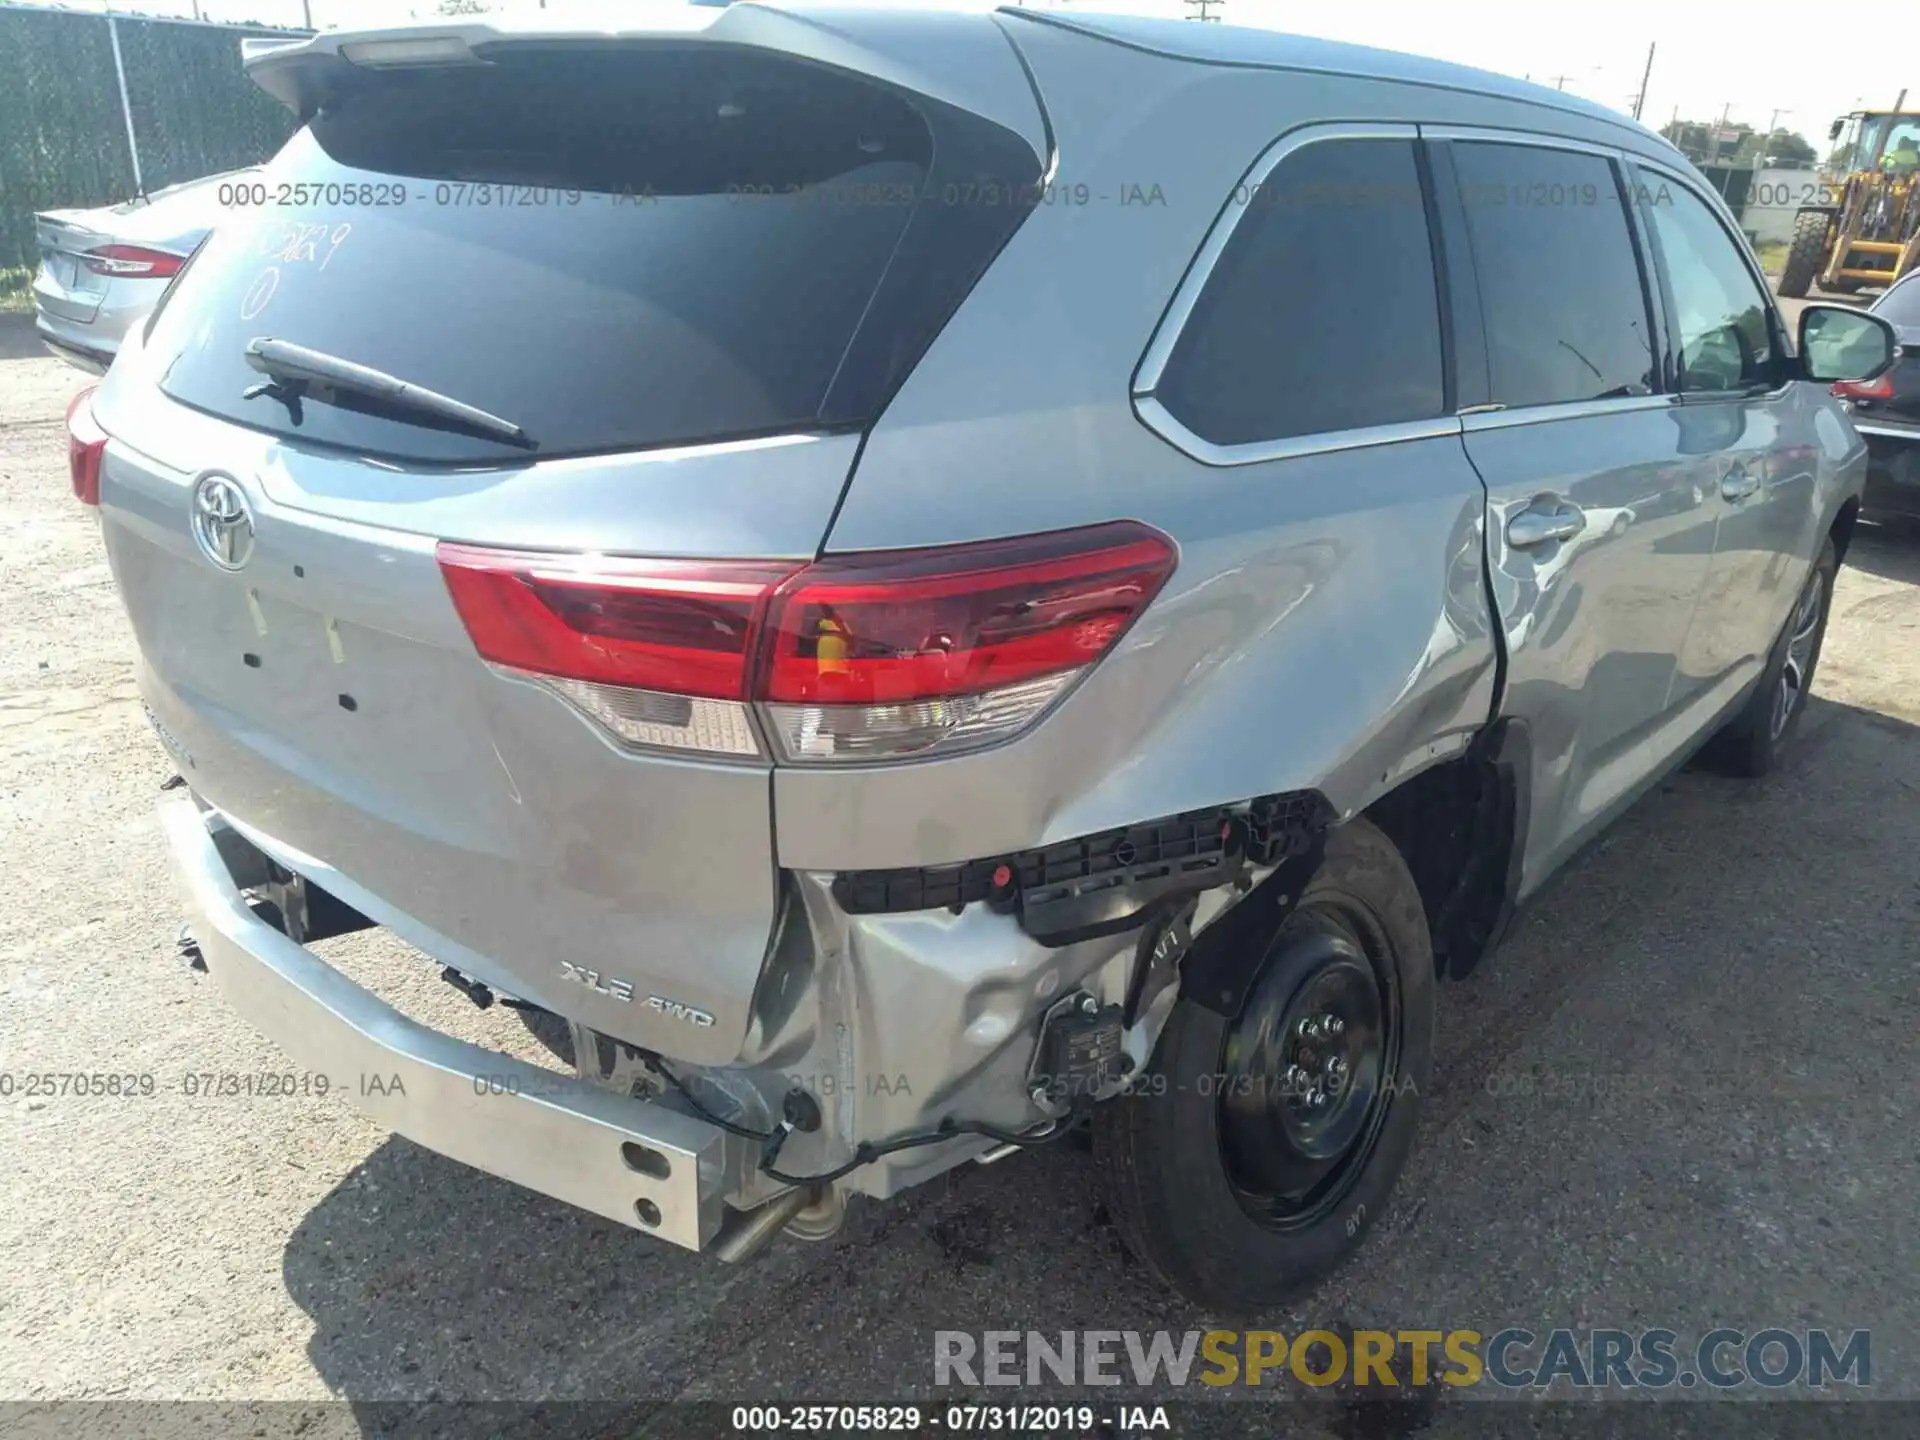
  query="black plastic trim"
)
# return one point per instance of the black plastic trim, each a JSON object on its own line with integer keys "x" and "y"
{"x": 1458, "y": 279}
{"x": 1220, "y": 968}
{"x": 1109, "y": 882}
{"x": 1507, "y": 747}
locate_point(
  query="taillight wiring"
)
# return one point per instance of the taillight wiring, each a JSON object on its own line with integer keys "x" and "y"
{"x": 866, "y": 1152}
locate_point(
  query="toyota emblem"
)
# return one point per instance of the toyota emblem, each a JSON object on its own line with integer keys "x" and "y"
{"x": 222, "y": 520}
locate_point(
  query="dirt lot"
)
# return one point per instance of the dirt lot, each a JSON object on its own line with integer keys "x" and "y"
{"x": 1748, "y": 954}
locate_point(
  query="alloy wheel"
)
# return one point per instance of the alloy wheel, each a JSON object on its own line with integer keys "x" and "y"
{"x": 1802, "y": 636}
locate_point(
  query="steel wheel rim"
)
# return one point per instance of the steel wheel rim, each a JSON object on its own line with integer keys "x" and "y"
{"x": 1797, "y": 669}
{"x": 1291, "y": 1158}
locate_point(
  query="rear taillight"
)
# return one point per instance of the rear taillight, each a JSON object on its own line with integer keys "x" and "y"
{"x": 134, "y": 260}
{"x": 863, "y": 657}
{"x": 658, "y": 651}
{"x": 918, "y": 651}
{"x": 86, "y": 444}
{"x": 1880, "y": 388}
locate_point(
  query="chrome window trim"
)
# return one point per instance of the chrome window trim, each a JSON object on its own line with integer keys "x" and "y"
{"x": 1489, "y": 136}
{"x": 1252, "y": 452}
{"x": 1166, "y": 336}
{"x": 1564, "y": 410}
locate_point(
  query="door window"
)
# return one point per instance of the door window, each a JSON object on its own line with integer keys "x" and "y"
{"x": 1720, "y": 321}
{"x": 1560, "y": 287}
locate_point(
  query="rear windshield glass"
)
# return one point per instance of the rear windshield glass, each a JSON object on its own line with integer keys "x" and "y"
{"x": 1901, "y": 305}
{"x": 610, "y": 247}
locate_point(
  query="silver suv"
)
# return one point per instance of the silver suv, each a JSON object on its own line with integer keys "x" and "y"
{"x": 914, "y": 604}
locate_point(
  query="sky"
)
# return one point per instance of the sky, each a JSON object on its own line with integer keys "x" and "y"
{"x": 1747, "y": 61}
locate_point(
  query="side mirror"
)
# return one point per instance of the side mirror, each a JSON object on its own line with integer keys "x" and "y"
{"x": 1838, "y": 342}
{"x": 1838, "y": 126}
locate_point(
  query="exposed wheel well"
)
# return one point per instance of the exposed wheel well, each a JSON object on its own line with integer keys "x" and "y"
{"x": 1842, "y": 531}
{"x": 1457, "y": 827}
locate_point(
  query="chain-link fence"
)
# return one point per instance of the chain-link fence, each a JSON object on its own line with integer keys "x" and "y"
{"x": 64, "y": 132}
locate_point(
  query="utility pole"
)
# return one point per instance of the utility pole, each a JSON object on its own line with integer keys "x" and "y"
{"x": 306, "y": 10}
{"x": 1645, "y": 75}
{"x": 1560, "y": 81}
{"x": 1203, "y": 9}
{"x": 1766, "y": 141}
{"x": 126, "y": 106}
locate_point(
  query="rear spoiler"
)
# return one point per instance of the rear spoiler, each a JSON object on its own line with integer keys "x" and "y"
{"x": 252, "y": 47}
{"x": 960, "y": 58}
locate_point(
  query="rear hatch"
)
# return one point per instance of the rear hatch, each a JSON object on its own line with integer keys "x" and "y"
{"x": 680, "y": 277}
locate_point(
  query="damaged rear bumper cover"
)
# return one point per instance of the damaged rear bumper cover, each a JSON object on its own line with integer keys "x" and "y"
{"x": 633, "y": 1161}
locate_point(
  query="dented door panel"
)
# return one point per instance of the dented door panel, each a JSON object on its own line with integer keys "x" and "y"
{"x": 1593, "y": 622}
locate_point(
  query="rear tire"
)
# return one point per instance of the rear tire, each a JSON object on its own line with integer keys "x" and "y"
{"x": 1752, "y": 743}
{"x": 1223, "y": 1172}
{"x": 1805, "y": 253}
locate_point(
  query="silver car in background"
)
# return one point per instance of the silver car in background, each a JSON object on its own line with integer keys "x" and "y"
{"x": 911, "y": 602}
{"x": 102, "y": 270}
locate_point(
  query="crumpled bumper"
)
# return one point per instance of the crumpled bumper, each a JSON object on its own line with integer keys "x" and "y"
{"x": 655, "y": 1169}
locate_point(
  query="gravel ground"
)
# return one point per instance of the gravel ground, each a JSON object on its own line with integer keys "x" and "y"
{"x": 1747, "y": 954}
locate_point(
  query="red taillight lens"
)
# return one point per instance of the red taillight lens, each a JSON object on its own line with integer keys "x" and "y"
{"x": 683, "y": 627}
{"x": 134, "y": 260}
{"x": 1880, "y": 388}
{"x": 927, "y": 624}
{"x": 925, "y": 652}
{"x": 86, "y": 444}
{"x": 857, "y": 657}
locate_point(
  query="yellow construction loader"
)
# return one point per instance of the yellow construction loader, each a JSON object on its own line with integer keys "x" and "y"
{"x": 1867, "y": 230}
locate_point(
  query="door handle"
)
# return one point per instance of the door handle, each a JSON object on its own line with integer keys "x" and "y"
{"x": 1738, "y": 485}
{"x": 1538, "y": 523}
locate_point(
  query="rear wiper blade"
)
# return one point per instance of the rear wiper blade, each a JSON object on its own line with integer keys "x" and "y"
{"x": 294, "y": 367}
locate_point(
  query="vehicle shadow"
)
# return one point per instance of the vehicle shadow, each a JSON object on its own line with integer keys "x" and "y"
{"x": 18, "y": 339}
{"x": 1889, "y": 548}
{"x": 431, "y": 1286}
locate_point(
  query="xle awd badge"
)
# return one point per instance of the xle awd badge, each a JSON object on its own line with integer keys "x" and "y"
{"x": 622, "y": 990}
{"x": 222, "y": 520}
{"x": 674, "y": 1010}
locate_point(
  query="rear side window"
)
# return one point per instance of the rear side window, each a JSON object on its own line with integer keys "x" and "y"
{"x": 613, "y": 247}
{"x": 1321, "y": 313}
{"x": 1720, "y": 314}
{"x": 1560, "y": 289}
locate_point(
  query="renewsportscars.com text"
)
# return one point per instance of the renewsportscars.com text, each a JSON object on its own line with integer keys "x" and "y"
{"x": 1512, "y": 1358}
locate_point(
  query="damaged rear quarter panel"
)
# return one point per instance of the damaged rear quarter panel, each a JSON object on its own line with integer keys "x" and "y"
{"x": 1327, "y": 626}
